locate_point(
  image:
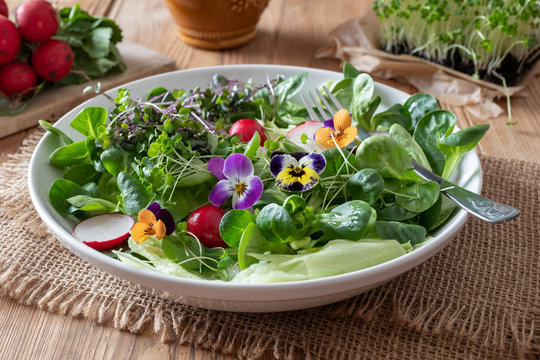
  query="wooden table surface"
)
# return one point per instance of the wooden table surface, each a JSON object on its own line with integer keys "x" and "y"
{"x": 289, "y": 33}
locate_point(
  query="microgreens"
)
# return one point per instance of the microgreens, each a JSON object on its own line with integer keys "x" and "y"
{"x": 486, "y": 32}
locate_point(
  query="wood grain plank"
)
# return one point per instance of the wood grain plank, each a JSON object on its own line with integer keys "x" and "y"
{"x": 52, "y": 336}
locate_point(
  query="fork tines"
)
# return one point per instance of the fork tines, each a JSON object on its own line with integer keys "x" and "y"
{"x": 318, "y": 102}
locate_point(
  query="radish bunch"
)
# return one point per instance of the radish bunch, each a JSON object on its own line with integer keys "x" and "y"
{"x": 50, "y": 60}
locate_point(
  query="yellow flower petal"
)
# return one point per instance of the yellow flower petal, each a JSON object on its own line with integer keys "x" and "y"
{"x": 323, "y": 137}
{"x": 346, "y": 137}
{"x": 297, "y": 179}
{"x": 141, "y": 231}
{"x": 342, "y": 120}
{"x": 160, "y": 229}
{"x": 146, "y": 216}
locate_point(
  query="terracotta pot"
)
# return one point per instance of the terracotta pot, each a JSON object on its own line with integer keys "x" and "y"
{"x": 216, "y": 24}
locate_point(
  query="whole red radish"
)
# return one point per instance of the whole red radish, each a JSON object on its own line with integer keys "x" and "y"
{"x": 204, "y": 224}
{"x": 105, "y": 231}
{"x": 3, "y": 8}
{"x": 52, "y": 60}
{"x": 16, "y": 78}
{"x": 10, "y": 40}
{"x": 37, "y": 19}
{"x": 246, "y": 128}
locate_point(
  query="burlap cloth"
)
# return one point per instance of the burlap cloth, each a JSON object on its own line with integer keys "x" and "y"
{"x": 476, "y": 299}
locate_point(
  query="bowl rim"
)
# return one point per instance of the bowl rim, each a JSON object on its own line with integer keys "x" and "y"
{"x": 302, "y": 288}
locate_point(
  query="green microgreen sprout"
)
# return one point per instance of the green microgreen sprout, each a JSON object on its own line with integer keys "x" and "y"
{"x": 501, "y": 38}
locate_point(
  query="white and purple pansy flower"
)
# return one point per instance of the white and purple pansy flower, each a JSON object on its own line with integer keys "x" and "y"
{"x": 236, "y": 179}
{"x": 297, "y": 171}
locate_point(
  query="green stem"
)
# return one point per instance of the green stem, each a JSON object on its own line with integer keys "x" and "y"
{"x": 471, "y": 54}
{"x": 508, "y": 107}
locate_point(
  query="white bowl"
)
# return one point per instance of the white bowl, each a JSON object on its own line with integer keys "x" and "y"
{"x": 222, "y": 295}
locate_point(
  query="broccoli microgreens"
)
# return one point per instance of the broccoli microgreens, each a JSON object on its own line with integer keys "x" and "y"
{"x": 499, "y": 37}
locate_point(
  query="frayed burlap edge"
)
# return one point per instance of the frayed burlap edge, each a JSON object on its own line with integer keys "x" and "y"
{"x": 175, "y": 322}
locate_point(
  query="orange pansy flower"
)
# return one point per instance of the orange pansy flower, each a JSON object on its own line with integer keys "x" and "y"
{"x": 341, "y": 135}
{"x": 146, "y": 226}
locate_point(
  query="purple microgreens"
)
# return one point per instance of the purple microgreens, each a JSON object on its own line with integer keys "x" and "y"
{"x": 208, "y": 126}
{"x": 239, "y": 182}
{"x": 297, "y": 171}
{"x": 138, "y": 117}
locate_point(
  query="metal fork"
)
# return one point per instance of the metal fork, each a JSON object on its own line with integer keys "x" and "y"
{"x": 475, "y": 204}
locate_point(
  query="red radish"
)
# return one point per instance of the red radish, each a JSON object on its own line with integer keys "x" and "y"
{"x": 3, "y": 8}
{"x": 246, "y": 128}
{"x": 10, "y": 40}
{"x": 204, "y": 224}
{"x": 308, "y": 128}
{"x": 37, "y": 19}
{"x": 16, "y": 78}
{"x": 105, "y": 231}
{"x": 52, "y": 60}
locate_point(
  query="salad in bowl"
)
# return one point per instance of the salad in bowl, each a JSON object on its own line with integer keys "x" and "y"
{"x": 234, "y": 183}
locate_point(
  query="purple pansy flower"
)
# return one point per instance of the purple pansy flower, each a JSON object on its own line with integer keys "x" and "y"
{"x": 236, "y": 179}
{"x": 163, "y": 215}
{"x": 297, "y": 171}
{"x": 215, "y": 166}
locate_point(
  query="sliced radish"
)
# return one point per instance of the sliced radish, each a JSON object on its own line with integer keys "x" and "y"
{"x": 308, "y": 128}
{"x": 105, "y": 231}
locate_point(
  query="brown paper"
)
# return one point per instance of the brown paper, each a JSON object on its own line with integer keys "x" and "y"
{"x": 357, "y": 41}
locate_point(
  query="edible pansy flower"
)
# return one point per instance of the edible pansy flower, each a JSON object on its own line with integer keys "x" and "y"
{"x": 152, "y": 221}
{"x": 336, "y": 131}
{"x": 163, "y": 215}
{"x": 297, "y": 171}
{"x": 236, "y": 179}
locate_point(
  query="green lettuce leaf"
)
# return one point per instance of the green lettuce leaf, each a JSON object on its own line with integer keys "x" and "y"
{"x": 336, "y": 257}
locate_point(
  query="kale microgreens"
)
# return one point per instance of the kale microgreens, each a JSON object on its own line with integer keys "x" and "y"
{"x": 169, "y": 156}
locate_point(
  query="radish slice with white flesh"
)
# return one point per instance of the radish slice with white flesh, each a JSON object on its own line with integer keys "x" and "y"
{"x": 105, "y": 231}
{"x": 308, "y": 128}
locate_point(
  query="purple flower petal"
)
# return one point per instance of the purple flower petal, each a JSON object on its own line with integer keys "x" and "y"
{"x": 314, "y": 161}
{"x": 237, "y": 168}
{"x": 215, "y": 166}
{"x": 221, "y": 192}
{"x": 280, "y": 162}
{"x": 252, "y": 192}
{"x": 167, "y": 218}
{"x": 154, "y": 207}
{"x": 329, "y": 123}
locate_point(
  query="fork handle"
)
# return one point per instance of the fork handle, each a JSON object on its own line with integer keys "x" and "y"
{"x": 477, "y": 205}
